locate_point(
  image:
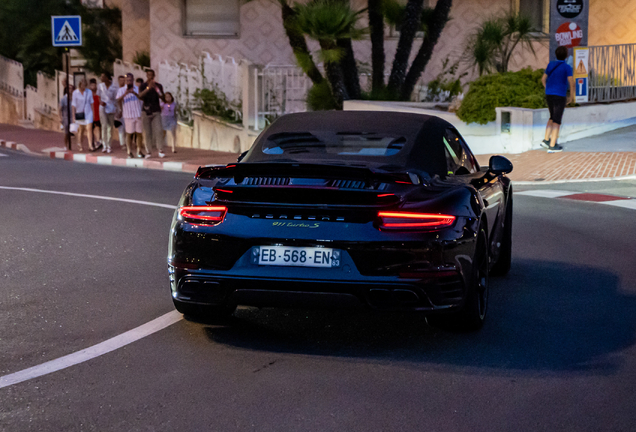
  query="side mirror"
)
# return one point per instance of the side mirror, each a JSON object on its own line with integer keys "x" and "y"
{"x": 499, "y": 165}
{"x": 241, "y": 156}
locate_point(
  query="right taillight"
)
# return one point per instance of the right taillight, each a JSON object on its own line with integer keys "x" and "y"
{"x": 406, "y": 221}
{"x": 203, "y": 214}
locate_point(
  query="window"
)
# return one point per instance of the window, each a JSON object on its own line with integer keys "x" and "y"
{"x": 340, "y": 143}
{"x": 538, "y": 11}
{"x": 459, "y": 159}
{"x": 211, "y": 18}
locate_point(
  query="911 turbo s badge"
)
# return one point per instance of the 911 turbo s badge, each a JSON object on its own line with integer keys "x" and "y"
{"x": 296, "y": 224}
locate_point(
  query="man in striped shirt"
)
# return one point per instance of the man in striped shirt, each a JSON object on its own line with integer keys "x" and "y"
{"x": 128, "y": 98}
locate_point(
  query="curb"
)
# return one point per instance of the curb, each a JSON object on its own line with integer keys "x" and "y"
{"x": 593, "y": 179}
{"x": 125, "y": 162}
{"x": 612, "y": 200}
{"x": 106, "y": 160}
{"x": 19, "y": 147}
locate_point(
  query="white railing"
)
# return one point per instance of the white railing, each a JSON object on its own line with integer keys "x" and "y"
{"x": 226, "y": 74}
{"x": 11, "y": 76}
{"x": 121, "y": 68}
{"x": 212, "y": 72}
{"x": 612, "y": 73}
{"x": 283, "y": 90}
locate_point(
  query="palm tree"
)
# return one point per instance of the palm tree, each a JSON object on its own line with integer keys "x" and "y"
{"x": 298, "y": 43}
{"x": 492, "y": 45}
{"x": 333, "y": 24}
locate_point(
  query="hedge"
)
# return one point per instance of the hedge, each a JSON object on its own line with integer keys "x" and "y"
{"x": 521, "y": 89}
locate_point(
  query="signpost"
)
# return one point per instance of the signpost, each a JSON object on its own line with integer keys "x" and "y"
{"x": 66, "y": 31}
{"x": 568, "y": 24}
{"x": 581, "y": 73}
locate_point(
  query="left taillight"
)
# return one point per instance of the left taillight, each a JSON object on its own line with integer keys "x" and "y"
{"x": 203, "y": 214}
{"x": 405, "y": 221}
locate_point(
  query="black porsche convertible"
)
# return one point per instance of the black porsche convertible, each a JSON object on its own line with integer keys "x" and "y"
{"x": 384, "y": 210}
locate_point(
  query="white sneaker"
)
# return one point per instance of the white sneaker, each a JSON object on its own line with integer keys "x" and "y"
{"x": 108, "y": 150}
{"x": 147, "y": 156}
{"x": 104, "y": 150}
{"x": 139, "y": 155}
{"x": 162, "y": 155}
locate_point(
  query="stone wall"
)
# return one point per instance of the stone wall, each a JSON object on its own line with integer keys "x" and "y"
{"x": 211, "y": 133}
{"x": 11, "y": 108}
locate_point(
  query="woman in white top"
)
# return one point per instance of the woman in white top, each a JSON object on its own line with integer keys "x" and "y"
{"x": 83, "y": 113}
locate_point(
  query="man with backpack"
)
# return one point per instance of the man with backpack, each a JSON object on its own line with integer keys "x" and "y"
{"x": 558, "y": 77}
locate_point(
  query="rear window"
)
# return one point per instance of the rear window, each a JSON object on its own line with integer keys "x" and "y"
{"x": 334, "y": 143}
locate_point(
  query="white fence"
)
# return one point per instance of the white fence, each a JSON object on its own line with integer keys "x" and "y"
{"x": 612, "y": 73}
{"x": 121, "y": 68}
{"x": 213, "y": 72}
{"x": 283, "y": 90}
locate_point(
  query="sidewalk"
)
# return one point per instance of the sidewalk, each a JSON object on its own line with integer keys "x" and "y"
{"x": 535, "y": 166}
{"x": 51, "y": 144}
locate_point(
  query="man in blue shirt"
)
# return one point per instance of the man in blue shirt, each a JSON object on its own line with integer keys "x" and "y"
{"x": 556, "y": 80}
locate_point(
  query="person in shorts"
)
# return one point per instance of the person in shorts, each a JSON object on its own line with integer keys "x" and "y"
{"x": 121, "y": 129}
{"x": 96, "y": 127}
{"x": 558, "y": 77}
{"x": 82, "y": 107}
{"x": 128, "y": 97}
{"x": 169, "y": 118}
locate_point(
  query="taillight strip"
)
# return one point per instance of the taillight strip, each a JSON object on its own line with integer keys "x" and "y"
{"x": 406, "y": 220}
{"x": 203, "y": 213}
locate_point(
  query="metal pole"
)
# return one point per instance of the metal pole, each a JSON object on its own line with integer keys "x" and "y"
{"x": 68, "y": 102}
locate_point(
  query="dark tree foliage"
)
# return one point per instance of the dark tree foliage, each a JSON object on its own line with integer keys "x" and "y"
{"x": 329, "y": 20}
{"x": 26, "y": 35}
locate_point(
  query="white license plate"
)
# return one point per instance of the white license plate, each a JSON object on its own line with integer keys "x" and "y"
{"x": 296, "y": 256}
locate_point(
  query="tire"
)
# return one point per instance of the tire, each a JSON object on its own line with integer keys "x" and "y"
{"x": 204, "y": 313}
{"x": 472, "y": 315}
{"x": 502, "y": 266}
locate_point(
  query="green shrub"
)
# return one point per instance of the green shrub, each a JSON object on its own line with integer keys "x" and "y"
{"x": 213, "y": 102}
{"x": 142, "y": 58}
{"x": 521, "y": 89}
{"x": 446, "y": 85}
{"x": 320, "y": 98}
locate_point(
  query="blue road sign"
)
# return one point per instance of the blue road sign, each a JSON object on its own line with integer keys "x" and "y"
{"x": 66, "y": 31}
{"x": 581, "y": 86}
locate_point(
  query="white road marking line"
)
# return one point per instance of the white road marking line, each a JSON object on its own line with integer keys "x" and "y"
{"x": 103, "y": 347}
{"x": 91, "y": 352}
{"x": 3, "y": 155}
{"x": 546, "y": 193}
{"x": 148, "y": 203}
{"x": 630, "y": 204}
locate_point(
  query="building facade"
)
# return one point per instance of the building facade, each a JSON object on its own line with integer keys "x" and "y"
{"x": 180, "y": 30}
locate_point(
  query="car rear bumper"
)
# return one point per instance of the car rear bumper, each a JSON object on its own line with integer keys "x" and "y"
{"x": 427, "y": 292}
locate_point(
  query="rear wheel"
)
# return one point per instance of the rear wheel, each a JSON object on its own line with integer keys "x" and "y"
{"x": 472, "y": 315}
{"x": 502, "y": 266}
{"x": 204, "y": 313}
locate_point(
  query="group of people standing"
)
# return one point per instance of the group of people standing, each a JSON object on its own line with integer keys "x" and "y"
{"x": 143, "y": 114}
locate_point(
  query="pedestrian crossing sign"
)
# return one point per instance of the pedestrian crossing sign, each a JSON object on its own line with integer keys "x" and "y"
{"x": 66, "y": 30}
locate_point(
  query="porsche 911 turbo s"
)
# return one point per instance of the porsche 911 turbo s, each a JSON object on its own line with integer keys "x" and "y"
{"x": 388, "y": 211}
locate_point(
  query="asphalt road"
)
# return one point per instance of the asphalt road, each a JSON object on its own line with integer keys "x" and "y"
{"x": 557, "y": 351}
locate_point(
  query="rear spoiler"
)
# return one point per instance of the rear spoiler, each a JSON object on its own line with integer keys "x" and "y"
{"x": 292, "y": 169}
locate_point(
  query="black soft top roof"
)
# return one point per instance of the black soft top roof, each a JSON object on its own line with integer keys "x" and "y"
{"x": 423, "y": 150}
